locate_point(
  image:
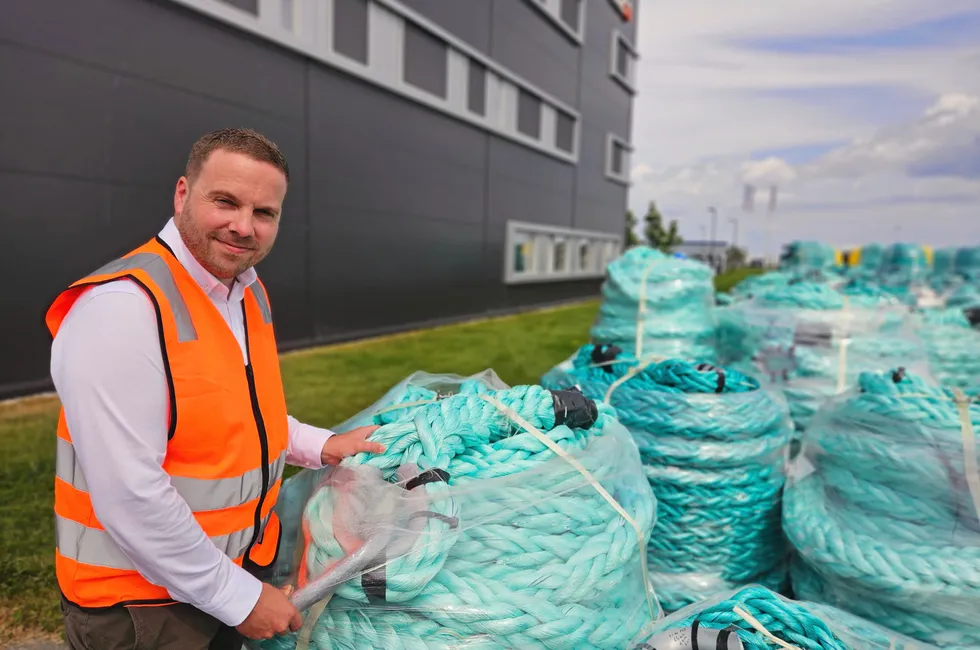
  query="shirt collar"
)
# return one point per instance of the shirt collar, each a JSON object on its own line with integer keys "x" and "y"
{"x": 211, "y": 285}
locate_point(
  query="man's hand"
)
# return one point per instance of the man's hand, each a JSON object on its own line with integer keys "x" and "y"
{"x": 273, "y": 614}
{"x": 342, "y": 445}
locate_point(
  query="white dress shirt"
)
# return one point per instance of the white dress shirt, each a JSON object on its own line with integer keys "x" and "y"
{"x": 107, "y": 368}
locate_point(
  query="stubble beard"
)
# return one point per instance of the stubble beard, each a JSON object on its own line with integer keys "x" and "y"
{"x": 199, "y": 243}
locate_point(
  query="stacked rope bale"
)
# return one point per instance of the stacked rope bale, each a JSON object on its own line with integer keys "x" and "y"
{"x": 942, "y": 277}
{"x": 713, "y": 445}
{"x": 883, "y": 509}
{"x": 496, "y": 518}
{"x": 953, "y": 347}
{"x": 903, "y": 269}
{"x": 967, "y": 263}
{"x": 810, "y": 342}
{"x": 801, "y": 257}
{"x": 659, "y": 304}
{"x": 758, "y": 619}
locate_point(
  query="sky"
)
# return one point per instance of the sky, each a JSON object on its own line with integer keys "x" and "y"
{"x": 865, "y": 114}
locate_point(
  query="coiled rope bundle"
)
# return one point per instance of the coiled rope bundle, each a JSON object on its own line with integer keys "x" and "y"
{"x": 758, "y": 619}
{"x": 810, "y": 342}
{"x": 953, "y": 347}
{"x": 713, "y": 446}
{"x": 884, "y": 512}
{"x": 511, "y": 518}
{"x": 657, "y": 304}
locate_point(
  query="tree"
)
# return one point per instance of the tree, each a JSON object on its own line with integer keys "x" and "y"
{"x": 657, "y": 236}
{"x": 735, "y": 257}
{"x": 631, "y": 238}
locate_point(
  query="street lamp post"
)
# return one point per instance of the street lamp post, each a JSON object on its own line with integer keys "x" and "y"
{"x": 711, "y": 240}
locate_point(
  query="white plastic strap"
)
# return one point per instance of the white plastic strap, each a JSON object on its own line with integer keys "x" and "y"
{"x": 969, "y": 448}
{"x": 642, "y": 308}
{"x": 632, "y": 372}
{"x": 842, "y": 366}
{"x": 306, "y": 632}
{"x": 652, "y": 603}
{"x": 754, "y": 622}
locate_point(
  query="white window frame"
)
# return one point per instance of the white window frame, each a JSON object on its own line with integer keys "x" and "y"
{"x": 551, "y": 9}
{"x": 314, "y": 38}
{"x": 543, "y": 239}
{"x": 611, "y": 140}
{"x": 629, "y": 81}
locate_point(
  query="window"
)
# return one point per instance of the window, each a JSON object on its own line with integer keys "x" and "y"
{"x": 251, "y": 6}
{"x": 528, "y": 114}
{"x": 623, "y": 62}
{"x": 477, "y": 91}
{"x": 617, "y": 159}
{"x": 426, "y": 60}
{"x": 541, "y": 253}
{"x": 565, "y": 132}
{"x": 350, "y": 29}
{"x": 561, "y": 254}
{"x": 571, "y": 14}
{"x": 566, "y": 15}
{"x": 584, "y": 255}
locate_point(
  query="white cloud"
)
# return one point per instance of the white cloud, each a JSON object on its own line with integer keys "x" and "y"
{"x": 708, "y": 101}
{"x": 952, "y": 121}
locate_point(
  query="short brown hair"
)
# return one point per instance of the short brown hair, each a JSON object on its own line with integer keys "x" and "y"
{"x": 245, "y": 141}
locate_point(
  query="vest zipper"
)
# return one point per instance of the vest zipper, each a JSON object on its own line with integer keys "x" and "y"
{"x": 263, "y": 441}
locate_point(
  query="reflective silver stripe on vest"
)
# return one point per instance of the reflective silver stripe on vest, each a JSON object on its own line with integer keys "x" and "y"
{"x": 157, "y": 269}
{"x": 200, "y": 494}
{"x": 263, "y": 301}
{"x": 67, "y": 467}
{"x": 214, "y": 494}
{"x": 96, "y": 547}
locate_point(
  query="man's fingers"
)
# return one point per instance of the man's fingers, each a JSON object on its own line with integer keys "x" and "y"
{"x": 296, "y": 622}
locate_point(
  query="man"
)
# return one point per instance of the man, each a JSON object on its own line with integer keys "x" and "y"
{"x": 173, "y": 432}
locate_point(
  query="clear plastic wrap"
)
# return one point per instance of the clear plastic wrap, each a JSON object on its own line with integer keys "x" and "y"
{"x": 952, "y": 346}
{"x": 714, "y": 447}
{"x": 471, "y": 531}
{"x": 811, "y": 354}
{"x": 883, "y": 508}
{"x": 657, "y": 304}
{"x": 753, "y": 617}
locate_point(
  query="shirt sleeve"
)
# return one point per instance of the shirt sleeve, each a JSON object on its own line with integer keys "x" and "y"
{"x": 107, "y": 368}
{"x": 306, "y": 444}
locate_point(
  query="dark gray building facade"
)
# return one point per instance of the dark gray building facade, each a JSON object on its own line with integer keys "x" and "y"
{"x": 449, "y": 158}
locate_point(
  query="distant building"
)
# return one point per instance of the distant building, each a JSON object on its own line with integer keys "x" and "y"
{"x": 449, "y": 158}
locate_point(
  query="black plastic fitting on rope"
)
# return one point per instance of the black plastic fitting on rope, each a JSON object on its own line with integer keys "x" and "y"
{"x": 973, "y": 315}
{"x": 707, "y": 367}
{"x": 574, "y": 409}
{"x": 898, "y": 375}
{"x": 603, "y": 353}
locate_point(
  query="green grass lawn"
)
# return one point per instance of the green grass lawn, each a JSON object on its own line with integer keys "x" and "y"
{"x": 323, "y": 387}
{"x": 726, "y": 281}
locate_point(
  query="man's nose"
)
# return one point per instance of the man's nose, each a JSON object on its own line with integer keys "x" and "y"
{"x": 241, "y": 224}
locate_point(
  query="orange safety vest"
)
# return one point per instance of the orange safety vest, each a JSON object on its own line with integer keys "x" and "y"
{"x": 227, "y": 434}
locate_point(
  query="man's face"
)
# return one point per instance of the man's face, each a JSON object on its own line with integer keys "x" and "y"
{"x": 229, "y": 215}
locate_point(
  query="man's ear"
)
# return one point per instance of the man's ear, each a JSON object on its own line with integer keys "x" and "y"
{"x": 181, "y": 194}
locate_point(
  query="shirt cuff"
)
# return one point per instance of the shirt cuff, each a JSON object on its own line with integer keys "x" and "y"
{"x": 236, "y": 599}
{"x": 306, "y": 444}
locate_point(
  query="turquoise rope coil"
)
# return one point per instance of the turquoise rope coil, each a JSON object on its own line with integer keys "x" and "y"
{"x": 806, "y": 342}
{"x": 881, "y": 513}
{"x": 943, "y": 277}
{"x": 756, "y": 284}
{"x": 713, "y": 445}
{"x": 511, "y": 546}
{"x": 967, "y": 263}
{"x": 803, "y": 256}
{"x": 801, "y": 625}
{"x": 676, "y": 317}
{"x": 953, "y": 347}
